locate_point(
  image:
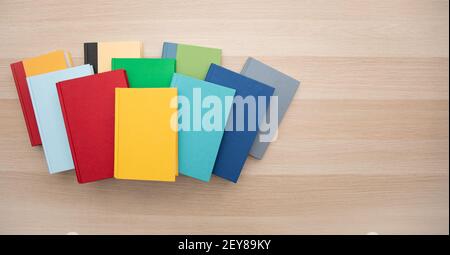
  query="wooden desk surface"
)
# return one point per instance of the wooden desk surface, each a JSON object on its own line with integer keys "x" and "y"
{"x": 363, "y": 148}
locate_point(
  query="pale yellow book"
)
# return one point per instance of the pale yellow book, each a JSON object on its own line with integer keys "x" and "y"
{"x": 108, "y": 50}
{"x": 146, "y": 137}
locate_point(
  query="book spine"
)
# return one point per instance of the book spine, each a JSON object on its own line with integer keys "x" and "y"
{"x": 126, "y": 78}
{"x": 86, "y": 57}
{"x": 169, "y": 50}
{"x": 68, "y": 131}
{"x": 116, "y": 133}
{"x": 210, "y": 72}
{"x": 246, "y": 65}
{"x": 164, "y": 50}
{"x": 20, "y": 81}
{"x": 91, "y": 55}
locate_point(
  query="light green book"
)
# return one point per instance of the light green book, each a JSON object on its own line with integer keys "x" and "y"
{"x": 192, "y": 60}
{"x": 146, "y": 72}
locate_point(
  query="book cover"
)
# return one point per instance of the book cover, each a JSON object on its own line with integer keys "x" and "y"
{"x": 87, "y": 105}
{"x": 243, "y": 122}
{"x": 53, "y": 61}
{"x": 169, "y": 50}
{"x": 108, "y": 50}
{"x": 146, "y": 72}
{"x": 146, "y": 137}
{"x": 47, "y": 108}
{"x": 285, "y": 88}
{"x": 199, "y": 142}
{"x": 192, "y": 60}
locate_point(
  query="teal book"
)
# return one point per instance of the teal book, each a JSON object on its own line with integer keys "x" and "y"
{"x": 146, "y": 72}
{"x": 202, "y": 116}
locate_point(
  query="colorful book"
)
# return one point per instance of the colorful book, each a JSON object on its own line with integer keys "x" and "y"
{"x": 146, "y": 137}
{"x": 243, "y": 122}
{"x": 285, "y": 88}
{"x": 99, "y": 54}
{"x": 53, "y": 61}
{"x": 146, "y": 72}
{"x": 47, "y": 108}
{"x": 87, "y": 105}
{"x": 198, "y": 144}
{"x": 192, "y": 60}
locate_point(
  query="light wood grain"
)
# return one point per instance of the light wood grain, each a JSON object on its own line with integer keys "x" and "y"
{"x": 363, "y": 148}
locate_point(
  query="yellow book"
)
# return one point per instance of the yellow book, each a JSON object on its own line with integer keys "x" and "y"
{"x": 108, "y": 50}
{"x": 146, "y": 135}
{"x": 53, "y": 61}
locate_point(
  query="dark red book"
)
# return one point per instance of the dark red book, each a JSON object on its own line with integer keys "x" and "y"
{"x": 20, "y": 80}
{"x": 88, "y": 108}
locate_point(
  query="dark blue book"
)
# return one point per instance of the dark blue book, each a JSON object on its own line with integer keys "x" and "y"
{"x": 249, "y": 106}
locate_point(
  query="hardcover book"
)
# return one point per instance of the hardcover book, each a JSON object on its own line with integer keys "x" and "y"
{"x": 47, "y": 108}
{"x": 285, "y": 88}
{"x": 146, "y": 72}
{"x": 243, "y": 122}
{"x": 198, "y": 144}
{"x": 53, "y": 61}
{"x": 192, "y": 60}
{"x": 99, "y": 54}
{"x": 87, "y": 105}
{"x": 146, "y": 137}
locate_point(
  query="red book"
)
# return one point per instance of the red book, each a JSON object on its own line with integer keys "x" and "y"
{"x": 20, "y": 79}
{"x": 88, "y": 108}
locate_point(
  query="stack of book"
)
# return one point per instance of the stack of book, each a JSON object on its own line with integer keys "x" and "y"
{"x": 124, "y": 116}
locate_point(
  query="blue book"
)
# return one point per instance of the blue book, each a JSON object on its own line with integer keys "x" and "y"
{"x": 200, "y": 133}
{"x": 169, "y": 50}
{"x": 242, "y": 125}
{"x": 47, "y": 108}
{"x": 285, "y": 88}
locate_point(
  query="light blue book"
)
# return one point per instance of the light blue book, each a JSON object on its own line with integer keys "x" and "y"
{"x": 202, "y": 117}
{"x": 47, "y": 108}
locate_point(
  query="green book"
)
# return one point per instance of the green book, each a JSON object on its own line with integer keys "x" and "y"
{"x": 192, "y": 60}
{"x": 146, "y": 72}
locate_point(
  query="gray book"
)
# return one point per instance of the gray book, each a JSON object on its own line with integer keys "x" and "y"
{"x": 285, "y": 88}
